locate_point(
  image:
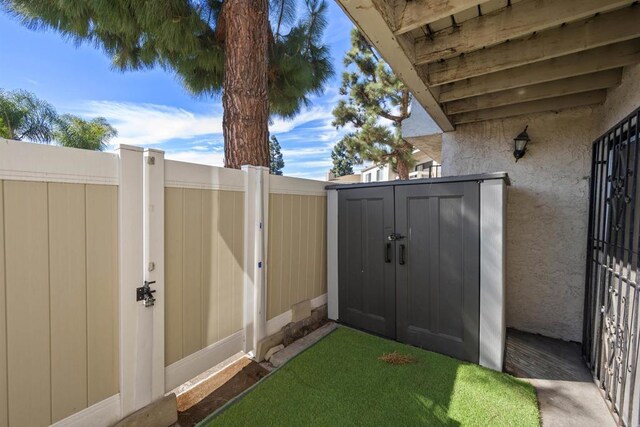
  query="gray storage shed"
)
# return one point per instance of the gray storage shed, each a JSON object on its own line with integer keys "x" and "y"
{"x": 422, "y": 262}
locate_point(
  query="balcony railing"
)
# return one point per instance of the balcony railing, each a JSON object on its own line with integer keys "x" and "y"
{"x": 430, "y": 172}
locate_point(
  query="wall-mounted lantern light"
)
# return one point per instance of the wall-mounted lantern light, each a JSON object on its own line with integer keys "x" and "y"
{"x": 520, "y": 144}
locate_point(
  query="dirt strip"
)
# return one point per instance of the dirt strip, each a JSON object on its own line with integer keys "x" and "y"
{"x": 196, "y": 404}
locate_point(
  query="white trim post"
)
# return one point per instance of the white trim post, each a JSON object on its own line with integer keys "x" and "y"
{"x": 154, "y": 262}
{"x": 255, "y": 214}
{"x": 332, "y": 254}
{"x": 492, "y": 273}
{"x": 264, "y": 256}
{"x": 130, "y": 242}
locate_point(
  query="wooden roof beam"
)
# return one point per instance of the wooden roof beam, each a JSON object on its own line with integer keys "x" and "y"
{"x": 412, "y": 14}
{"x": 601, "y": 30}
{"x": 518, "y": 20}
{"x": 551, "y": 104}
{"x": 578, "y": 84}
{"x": 585, "y": 62}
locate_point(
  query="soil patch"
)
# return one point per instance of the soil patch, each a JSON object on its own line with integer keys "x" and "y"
{"x": 396, "y": 358}
{"x": 226, "y": 385}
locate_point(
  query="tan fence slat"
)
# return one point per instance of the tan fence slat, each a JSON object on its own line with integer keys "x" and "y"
{"x": 305, "y": 247}
{"x": 68, "y": 296}
{"x": 314, "y": 238}
{"x": 238, "y": 261}
{"x": 224, "y": 237}
{"x": 274, "y": 269}
{"x": 210, "y": 267}
{"x": 297, "y": 246}
{"x": 309, "y": 242}
{"x": 286, "y": 252}
{"x": 192, "y": 273}
{"x": 226, "y": 260}
{"x": 27, "y": 290}
{"x": 204, "y": 232}
{"x": 174, "y": 205}
{"x": 297, "y": 291}
{"x": 102, "y": 291}
{"x": 221, "y": 305}
{"x": 4, "y": 421}
{"x": 320, "y": 278}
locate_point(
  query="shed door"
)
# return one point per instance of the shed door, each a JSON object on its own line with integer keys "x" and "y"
{"x": 437, "y": 267}
{"x": 365, "y": 265}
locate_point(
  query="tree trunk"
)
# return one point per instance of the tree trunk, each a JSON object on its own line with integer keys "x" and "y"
{"x": 402, "y": 169}
{"x": 245, "y": 123}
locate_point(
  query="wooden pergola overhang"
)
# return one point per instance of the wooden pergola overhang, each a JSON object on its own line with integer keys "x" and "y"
{"x": 468, "y": 61}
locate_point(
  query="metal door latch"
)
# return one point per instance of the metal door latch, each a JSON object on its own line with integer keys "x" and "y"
{"x": 145, "y": 293}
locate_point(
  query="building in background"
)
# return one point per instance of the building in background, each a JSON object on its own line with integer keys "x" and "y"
{"x": 425, "y": 167}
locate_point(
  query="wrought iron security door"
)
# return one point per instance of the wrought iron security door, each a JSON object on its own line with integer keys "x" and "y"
{"x": 610, "y": 341}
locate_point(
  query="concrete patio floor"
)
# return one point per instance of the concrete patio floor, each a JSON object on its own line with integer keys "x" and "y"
{"x": 566, "y": 392}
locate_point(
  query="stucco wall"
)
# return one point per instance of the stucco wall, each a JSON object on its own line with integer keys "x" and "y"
{"x": 547, "y": 202}
{"x": 546, "y": 211}
{"x": 621, "y": 100}
{"x": 419, "y": 122}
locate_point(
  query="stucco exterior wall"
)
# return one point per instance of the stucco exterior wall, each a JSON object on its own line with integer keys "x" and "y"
{"x": 546, "y": 211}
{"x": 419, "y": 122}
{"x": 547, "y": 208}
{"x": 621, "y": 100}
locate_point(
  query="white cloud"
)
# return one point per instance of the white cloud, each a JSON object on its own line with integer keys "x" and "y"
{"x": 309, "y": 164}
{"x": 307, "y": 139}
{"x": 147, "y": 124}
{"x": 323, "y": 150}
{"x": 308, "y": 175}
{"x": 192, "y": 156}
{"x": 313, "y": 114}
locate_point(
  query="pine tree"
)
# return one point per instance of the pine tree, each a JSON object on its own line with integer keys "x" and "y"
{"x": 343, "y": 160}
{"x": 374, "y": 95}
{"x": 268, "y": 63}
{"x": 276, "y": 163}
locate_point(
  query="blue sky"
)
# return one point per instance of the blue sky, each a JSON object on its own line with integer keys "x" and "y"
{"x": 151, "y": 108}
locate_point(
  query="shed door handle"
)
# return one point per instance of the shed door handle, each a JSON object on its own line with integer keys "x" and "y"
{"x": 387, "y": 252}
{"x": 401, "y": 257}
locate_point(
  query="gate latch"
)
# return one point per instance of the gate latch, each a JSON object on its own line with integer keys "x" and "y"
{"x": 395, "y": 236}
{"x": 145, "y": 293}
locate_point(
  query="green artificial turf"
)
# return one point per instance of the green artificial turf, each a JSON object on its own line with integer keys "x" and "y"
{"x": 340, "y": 381}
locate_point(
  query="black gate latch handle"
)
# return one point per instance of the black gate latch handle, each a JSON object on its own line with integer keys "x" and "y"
{"x": 387, "y": 253}
{"x": 145, "y": 293}
{"x": 401, "y": 257}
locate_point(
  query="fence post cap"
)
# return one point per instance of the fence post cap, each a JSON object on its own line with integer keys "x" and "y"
{"x": 128, "y": 147}
{"x": 247, "y": 167}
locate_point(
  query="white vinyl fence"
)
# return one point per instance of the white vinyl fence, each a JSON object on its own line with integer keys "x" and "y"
{"x": 229, "y": 252}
